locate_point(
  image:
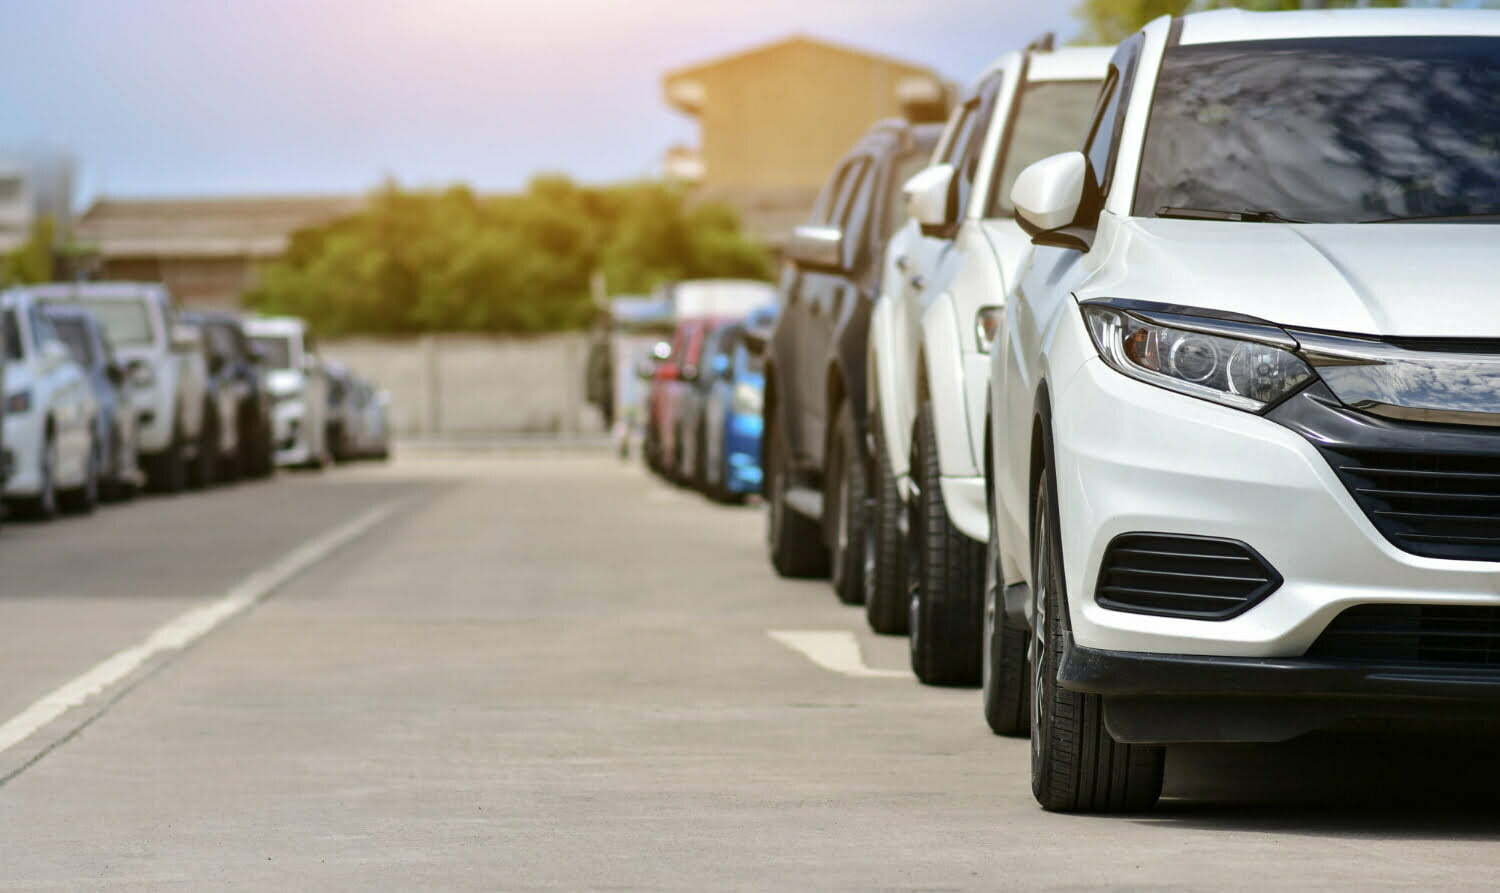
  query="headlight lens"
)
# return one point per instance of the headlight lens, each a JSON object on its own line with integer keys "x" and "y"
{"x": 18, "y": 402}
{"x": 747, "y": 398}
{"x": 987, "y": 325}
{"x": 1243, "y": 374}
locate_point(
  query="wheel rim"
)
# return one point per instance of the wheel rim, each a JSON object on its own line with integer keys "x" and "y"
{"x": 1037, "y": 651}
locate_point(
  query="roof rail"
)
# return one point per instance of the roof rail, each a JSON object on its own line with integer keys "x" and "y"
{"x": 1044, "y": 44}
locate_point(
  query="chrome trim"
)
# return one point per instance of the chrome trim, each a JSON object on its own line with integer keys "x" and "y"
{"x": 1206, "y": 322}
{"x": 1422, "y": 386}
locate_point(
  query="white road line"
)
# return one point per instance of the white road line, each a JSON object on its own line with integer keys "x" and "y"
{"x": 835, "y": 650}
{"x": 185, "y": 629}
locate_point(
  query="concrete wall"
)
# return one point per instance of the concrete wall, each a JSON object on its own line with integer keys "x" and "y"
{"x": 472, "y": 386}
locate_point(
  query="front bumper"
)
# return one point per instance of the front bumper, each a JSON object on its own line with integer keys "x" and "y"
{"x": 1175, "y": 699}
{"x": 1134, "y": 458}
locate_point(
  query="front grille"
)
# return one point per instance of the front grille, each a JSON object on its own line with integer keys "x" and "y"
{"x": 1438, "y": 505}
{"x": 1182, "y": 576}
{"x": 1452, "y": 635}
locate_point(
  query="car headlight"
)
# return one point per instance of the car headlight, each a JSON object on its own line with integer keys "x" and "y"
{"x": 1244, "y": 374}
{"x": 987, "y": 325}
{"x": 18, "y": 402}
{"x": 748, "y": 399}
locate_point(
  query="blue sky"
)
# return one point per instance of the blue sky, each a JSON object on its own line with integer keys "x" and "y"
{"x": 184, "y": 97}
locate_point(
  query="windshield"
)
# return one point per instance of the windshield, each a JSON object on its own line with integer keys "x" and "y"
{"x": 277, "y": 350}
{"x": 1347, "y": 130}
{"x": 73, "y": 334}
{"x": 126, "y": 323}
{"x": 1053, "y": 117}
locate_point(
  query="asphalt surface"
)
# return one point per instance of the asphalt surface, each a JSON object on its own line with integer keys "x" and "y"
{"x": 552, "y": 671}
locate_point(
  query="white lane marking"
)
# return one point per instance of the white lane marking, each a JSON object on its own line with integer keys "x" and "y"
{"x": 835, "y": 650}
{"x": 185, "y": 629}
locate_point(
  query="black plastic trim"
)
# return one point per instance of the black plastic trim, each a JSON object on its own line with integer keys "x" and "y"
{"x": 1269, "y": 579}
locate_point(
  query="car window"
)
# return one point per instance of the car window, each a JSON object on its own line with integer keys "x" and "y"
{"x": 849, "y": 185}
{"x": 856, "y": 219}
{"x": 42, "y": 329}
{"x": 1338, "y": 130}
{"x": 127, "y": 323}
{"x": 75, "y": 337}
{"x": 14, "y": 350}
{"x": 1050, "y": 117}
{"x": 1103, "y": 144}
{"x": 970, "y": 144}
{"x": 830, "y": 201}
{"x": 896, "y": 208}
{"x": 277, "y": 350}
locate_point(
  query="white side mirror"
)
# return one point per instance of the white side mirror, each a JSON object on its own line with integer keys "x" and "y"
{"x": 927, "y": 196}
{"x": 1048, "y": 194}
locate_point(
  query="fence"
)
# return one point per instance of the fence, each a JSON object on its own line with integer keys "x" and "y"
{"x": 476, "y": 387}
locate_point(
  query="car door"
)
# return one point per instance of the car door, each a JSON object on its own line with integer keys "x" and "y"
{"x": 67, "y": 396}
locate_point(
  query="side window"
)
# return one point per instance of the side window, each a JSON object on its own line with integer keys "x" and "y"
{"x": 968, "y": 142}
{"x": 13, "y": 348}
{"x": 825, "y": 211}
{"x": 855, "y": 213}
{"x": 42, "y": 330}
{"x": 963, "y": 116}
{"x": 1103, "y": 145}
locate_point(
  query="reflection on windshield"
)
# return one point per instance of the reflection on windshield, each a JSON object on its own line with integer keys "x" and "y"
{"x": 127, "y": 323}
{"x": 1053, "y": 117}
{"x": 72, "y": 333}
{"x": 1340, "y": 130}
{"x": 277, "y": 350}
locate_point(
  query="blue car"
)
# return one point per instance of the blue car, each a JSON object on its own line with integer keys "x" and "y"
{"x": 732, "y": 409}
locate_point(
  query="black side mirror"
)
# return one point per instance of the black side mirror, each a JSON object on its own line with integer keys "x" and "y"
{"x": 115, "y": 373}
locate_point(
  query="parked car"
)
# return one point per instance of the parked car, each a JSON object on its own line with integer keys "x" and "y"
{"x": 49, "y": 416}
{"x": 692, "y": 410}
{"x": 698, "y": 306}
{"x": 930, "y": 341}
{"x": 816, "y": 452}
{"x": 731, "y": 441}
{"x": 237, "y": 378}
{"x": 115, "y": 418}
{"x": 371, "y": 410}
{"x": 166, "y": 369}
{"x": 343, "y": 419}
{"x": 295, "y": 381}
{"x": 1245, "y": 404}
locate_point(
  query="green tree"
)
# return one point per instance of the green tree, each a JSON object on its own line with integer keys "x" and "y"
{"x": 453, "y": 261}
{"x": 32, "y": 261}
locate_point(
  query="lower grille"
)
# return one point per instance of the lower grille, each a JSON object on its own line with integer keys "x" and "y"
{"x": 1451, "y": 635}
{"x": 1442, "y": 505}
{"x": 1169, "y": 575}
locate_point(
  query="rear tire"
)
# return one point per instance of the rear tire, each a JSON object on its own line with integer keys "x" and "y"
{"x": 945, "y": 573}
{"x": 794, "y": 541}
{"x": 204, "y": 469}
{"x": 844, "y": 507}
{"x": 168, "y": 470}
{"x": 884, "y": 557}
{"x": 1075, "y": 764}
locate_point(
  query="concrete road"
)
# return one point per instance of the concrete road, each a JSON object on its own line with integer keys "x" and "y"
{"x": 533, "y": 671}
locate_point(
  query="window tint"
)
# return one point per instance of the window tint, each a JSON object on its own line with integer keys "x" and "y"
{"x": 125, "y": 323}
{"x": 1051, "y": 117}
{"x": 76, "y": 337}
{"x": 1104, "y": 137}
{"x": 13, "y": 348}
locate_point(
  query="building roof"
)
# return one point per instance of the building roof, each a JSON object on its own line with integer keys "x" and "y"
{"x": 206, "y": 227}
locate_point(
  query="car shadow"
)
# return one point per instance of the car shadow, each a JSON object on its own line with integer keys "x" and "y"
{"x": 1368, "y": 787}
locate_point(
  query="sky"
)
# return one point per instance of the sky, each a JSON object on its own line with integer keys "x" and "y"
{"x": 187, "y": 97}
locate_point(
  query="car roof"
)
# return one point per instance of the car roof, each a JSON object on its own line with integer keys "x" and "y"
{"x": 275, "y": 325}
{"x": 1225, "y": 25}
{"x": 898, "y": 135}
{"x": 98, "y": 290}
{"x": 1069, "y": 64}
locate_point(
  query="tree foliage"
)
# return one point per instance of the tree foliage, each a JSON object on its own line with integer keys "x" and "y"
{"x": 455, "y": 261}
{"x": 32, "y": 260}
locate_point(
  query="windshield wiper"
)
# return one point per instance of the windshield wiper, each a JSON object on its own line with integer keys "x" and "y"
{"x": 1437, "y": 218}
{"x": 1233, "y": 216}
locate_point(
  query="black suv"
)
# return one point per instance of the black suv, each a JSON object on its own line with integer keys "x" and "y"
{"x": 235, "y": 369}
{"x": 816, "y": 452}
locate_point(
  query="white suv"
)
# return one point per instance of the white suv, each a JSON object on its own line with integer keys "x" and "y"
{"x": 49, "y": 415}
{"x": 943, "y": 290}
{"x": 1246, "y": 404}
{"x": 298, "y": 388}
{"x": 167, "y": 372}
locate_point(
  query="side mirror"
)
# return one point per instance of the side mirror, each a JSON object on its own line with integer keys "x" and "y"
{"x": 1052, "y": 197}
{"x": 928, "y": 198}
{"x": 817, "y": 248}
{"x": 186, "y": 340}
{"x": 115, "y": 373}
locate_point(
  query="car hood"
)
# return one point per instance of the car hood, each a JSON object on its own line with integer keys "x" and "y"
{"x": 1412, "y": 280}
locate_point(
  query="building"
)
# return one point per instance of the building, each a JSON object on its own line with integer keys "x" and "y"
{"x": 206, "y": 250}
{"x": 774, "y": 120}
{"x": 34, "y": 186}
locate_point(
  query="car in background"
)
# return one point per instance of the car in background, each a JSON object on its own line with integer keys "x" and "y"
{"x": 244, "y": 406}
{"x": 49, "y": 415}
{"x": 115, "y": 421}
{"x": 371, "y": 412}
{"x": 932, "y": 341}
{"x": 166, "y": 369}
{"x": 731, "y": 442}
{"x": 343, "y": 420}
{"x": 298, "y": 390}
{"x": 691, "y": 411}
{"x": 817, "y": 456}
{"x": 697, "y": 305}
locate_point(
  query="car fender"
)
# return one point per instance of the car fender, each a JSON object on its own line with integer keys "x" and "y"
{"x": 943, "y": 380}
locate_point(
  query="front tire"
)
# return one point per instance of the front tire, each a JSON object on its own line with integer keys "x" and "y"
{"x": 945, "y": 574}
{"x": 846, "y": 509}
{"x": 1075, "y": 765}
{"x": 43, "y": 506}
{"x": 1007, "y": 709}
{"x": 884, "y": 555}
{"x": 794, "y": 541}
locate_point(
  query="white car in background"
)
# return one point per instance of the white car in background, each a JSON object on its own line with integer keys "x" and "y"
{"x": 929, "y": 337}
{"x": 1246, "y": 406}
{"x": 298, "y": 389}
{"x": 166, "y": 370}
{"x": 49, "y": 415}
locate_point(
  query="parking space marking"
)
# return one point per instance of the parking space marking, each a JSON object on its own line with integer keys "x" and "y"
{"x": 185, "y": 629}
{"x": 835, "y": 650}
